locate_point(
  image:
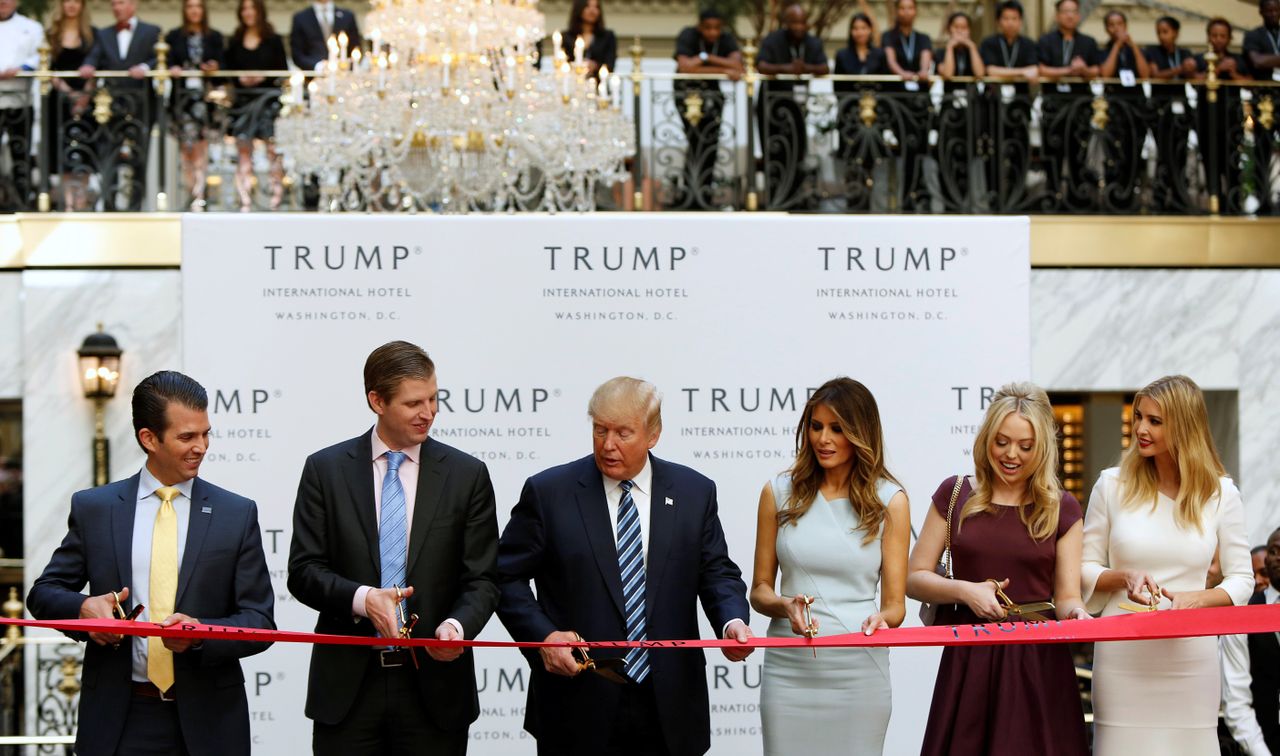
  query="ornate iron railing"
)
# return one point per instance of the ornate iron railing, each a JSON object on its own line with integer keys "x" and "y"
{"x": 828, "y": 144}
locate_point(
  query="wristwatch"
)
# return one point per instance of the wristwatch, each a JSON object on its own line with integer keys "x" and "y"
{"x": 702, "y": 56}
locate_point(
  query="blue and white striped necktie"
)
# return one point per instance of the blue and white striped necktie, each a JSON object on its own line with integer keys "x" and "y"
{"x": 393, "y": 531}
{"x": 631, "y": 566}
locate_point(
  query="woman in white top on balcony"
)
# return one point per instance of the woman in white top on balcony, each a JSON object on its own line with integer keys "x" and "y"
{"x": 1150, "y": 533}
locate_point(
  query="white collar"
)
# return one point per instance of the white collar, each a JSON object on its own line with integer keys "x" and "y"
{"x": 147, "y": 485}
{"x": 1270, "y": 594}
{"x": 643, "y": 481}
{"x": 380, "y": 447}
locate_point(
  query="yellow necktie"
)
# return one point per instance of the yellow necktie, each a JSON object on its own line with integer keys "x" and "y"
{"x": 164, "y": 585}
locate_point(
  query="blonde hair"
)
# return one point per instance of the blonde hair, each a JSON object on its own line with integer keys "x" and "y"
{"x": 54, "y": 33}
{"x": 1186, "y": 428}
{"x": 624, "y": 397}
{"x": 1029, "y": 402}
{"x": 859, "y": 418}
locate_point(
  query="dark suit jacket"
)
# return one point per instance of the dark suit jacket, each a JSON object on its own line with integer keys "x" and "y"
{"x": 181, "y": 57}
{"x": 560, "y": 537}
{"x": 1264, "y": 669}
{"x": 105, "y": 54}
{"x": 307, "y": 42}
{"x": 223, "y": 580}
{"x": 453, "y": 543}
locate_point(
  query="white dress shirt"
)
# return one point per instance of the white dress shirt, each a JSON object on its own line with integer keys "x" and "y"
{"x": 408, "y": 474}
{"x": 144, "y": 522}
{"x": 324, "y": 14}
{"x": 642, "y": 495}
{"x": 124, "y": 38}
{"x": 20, "y": 39}
{"x": 1237, "y": 699}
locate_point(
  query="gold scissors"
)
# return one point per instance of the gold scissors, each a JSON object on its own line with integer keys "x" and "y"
{"x": 1027, "y": 612}
{"x": 1130, "y": 606}
{"x": 117, "y": 611}
{"x": 407, "y": 623}
{"x": 810, "y": 627}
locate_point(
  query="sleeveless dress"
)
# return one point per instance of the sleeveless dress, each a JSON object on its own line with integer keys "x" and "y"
{"x": 1013, "y": 698}
{"x": 1159, "y": 696}
{"x": 838, "y": 703}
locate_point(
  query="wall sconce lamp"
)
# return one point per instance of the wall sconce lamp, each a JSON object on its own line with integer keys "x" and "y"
{"x": 99, "y": 376}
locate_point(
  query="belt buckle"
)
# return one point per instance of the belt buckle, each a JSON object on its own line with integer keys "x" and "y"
{"x": 382, "y": 658}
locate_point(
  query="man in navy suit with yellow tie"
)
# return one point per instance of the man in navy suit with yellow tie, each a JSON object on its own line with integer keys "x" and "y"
{"x": 619, "y": 545}
{"x": 188, "y": 551}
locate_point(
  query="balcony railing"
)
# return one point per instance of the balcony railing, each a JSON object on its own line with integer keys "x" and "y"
{"x": 837, "y": 144}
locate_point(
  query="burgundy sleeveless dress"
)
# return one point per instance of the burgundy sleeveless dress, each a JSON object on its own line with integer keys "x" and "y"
{"x": 1013, "y": 698}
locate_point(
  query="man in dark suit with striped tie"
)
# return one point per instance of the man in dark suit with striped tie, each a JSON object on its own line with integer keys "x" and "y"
{"x": 619, "y": 545}
{"x": 392, "y": 521}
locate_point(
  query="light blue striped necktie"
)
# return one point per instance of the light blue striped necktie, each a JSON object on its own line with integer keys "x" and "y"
{"x": 631, "y": 565}
{"x": 393, "y": 531}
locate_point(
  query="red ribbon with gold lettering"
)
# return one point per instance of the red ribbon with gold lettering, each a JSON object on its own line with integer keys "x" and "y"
{"x": 1185, "y": 623}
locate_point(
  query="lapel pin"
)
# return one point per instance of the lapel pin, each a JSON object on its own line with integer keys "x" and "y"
{"x": 670, "y": 502}
{"x": 206, "y": 510}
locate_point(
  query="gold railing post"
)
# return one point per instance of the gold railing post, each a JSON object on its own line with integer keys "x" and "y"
{"x": 637, "y": 80}
{"x": 1211, "y": 86}
{"x": 13, "y": 610}
{"x": 161, "y": 89}
{"x": 43, "y": 202}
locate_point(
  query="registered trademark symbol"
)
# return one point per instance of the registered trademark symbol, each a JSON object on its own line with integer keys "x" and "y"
{"x": 279, "y": 675}
{"x": 695, "y": 250}
{"x": 964, "y": 250}
{"x": 417, "y": 250}
{"x": 555, "y": 392}
{"x": 277, "y": 393}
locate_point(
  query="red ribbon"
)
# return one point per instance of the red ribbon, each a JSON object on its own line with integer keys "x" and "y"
{"x": 1186, "y": 623}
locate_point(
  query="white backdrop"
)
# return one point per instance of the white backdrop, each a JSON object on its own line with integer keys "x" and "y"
{"x": 734, "y": 318}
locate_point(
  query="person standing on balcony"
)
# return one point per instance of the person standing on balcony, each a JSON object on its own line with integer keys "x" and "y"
{"x": 703, "y": 49}
{"x": 599, "y": 45}
{"x": 129, "y": 45}
{"x": 1168, "y": 61}
{"x": 1007, "y": 52}
{"x": 1121, "y": 54}
{"x": 66, "y": 124}
{"x": 789, "y": 51}
{"x": 193, "y": 46}
{"x": 1262, "y": 45}
{"x": 312, "y": 28}
{"x": 19, "y": 39}
{"x": 256, "y": 47}
{"x": 1229, "y": 66}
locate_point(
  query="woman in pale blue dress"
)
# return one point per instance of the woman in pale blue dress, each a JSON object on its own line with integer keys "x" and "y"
{"x": 836, "y": 525}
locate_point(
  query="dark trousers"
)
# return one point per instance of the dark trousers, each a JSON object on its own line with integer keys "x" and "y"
{"x": 387, "y": 719}
{"x": 636, "y": 729}
{"x": 151, "y": 729}
{"x": 15, "y": 188}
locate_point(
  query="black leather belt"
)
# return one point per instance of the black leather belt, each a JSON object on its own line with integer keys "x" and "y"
{"x": 147, "y": 690}
{"x": 390, "y": 658}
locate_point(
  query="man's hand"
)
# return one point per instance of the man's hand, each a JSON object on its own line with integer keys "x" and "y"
{"x": 87, "y": 72}
{"x": 102, "y": 607}
{"x": 739, "y": 631}
{"x": 560, "y": 661}
{"x": 8, "y": 73}
{"x": 446, "y": 631}
{"x": 138, "y": 72}
{"x": 380, "y": 608}
{"x": 178, "y": 645}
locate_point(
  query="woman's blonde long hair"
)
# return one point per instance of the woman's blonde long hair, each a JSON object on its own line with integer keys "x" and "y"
{"x": 1186, "y": 430}
{"x": 1031, "y": 403}
{"x": 54, "y": 33}
{"x": 855, "y": 409}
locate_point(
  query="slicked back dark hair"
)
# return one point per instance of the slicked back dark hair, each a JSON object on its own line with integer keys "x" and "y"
{"x": 392, "y": 363}
{"x": 151, "y": 399}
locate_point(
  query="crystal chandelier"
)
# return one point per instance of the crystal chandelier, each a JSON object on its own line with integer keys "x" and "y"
{"x": 447, "y": 112}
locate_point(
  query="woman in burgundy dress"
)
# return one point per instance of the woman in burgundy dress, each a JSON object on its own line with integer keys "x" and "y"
{"x": 1013, "y": 523}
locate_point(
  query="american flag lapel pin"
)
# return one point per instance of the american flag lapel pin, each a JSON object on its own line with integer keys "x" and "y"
{"x": 671, "y": 502}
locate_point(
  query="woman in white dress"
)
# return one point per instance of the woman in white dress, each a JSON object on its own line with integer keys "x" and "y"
{"x": 1151, "y": 530}
{"x": 836, "y": 524}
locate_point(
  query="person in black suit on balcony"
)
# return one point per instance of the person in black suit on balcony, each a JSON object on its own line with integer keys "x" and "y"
{"x": 129, "y": 45}
{"x": 312, "y": 27}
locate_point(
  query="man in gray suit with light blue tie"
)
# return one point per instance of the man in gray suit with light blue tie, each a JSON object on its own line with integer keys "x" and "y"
{"x": 187, "y": 550}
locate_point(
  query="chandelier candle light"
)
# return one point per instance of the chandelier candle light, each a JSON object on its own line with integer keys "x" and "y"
{"x": 445, "y": 111}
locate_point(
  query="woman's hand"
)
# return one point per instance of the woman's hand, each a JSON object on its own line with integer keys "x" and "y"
{"x": 873, "y": 623}
{"x": 796, "y": 613}
{"x": 1184, "y": 599}
{"x": 981, "y": 600}
{"x": 1141, "y": 587}
{"x": 1079, "y": 614}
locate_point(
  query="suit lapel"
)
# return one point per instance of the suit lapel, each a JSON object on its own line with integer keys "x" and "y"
{"x": 197, "y": 528}
{"x": 594, "y": 509}
{"x": 122, "y": 515}
{"x": 358, "y": 473}
{"x": 432, "y": 474}
{"x": 662, "y": 523}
